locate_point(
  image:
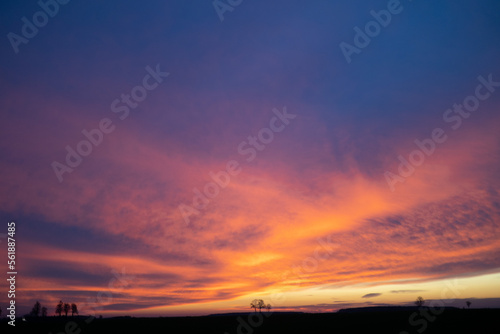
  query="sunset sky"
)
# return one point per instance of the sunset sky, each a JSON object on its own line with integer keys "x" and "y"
{"x": 318, "y": 155}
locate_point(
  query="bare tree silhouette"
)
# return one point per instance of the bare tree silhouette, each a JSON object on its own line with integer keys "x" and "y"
{"x": 0, "y": 311}
{"x": 468, "y": 304}
{"x": 268, "y": 306}
{"x": 261, "y": 305}
{"x": 59, "y": 308}
{"x": 74, "y": 309}
{"x": 44, "y": 311}
{"x": 257, "y": 304}
{"x": 67, "y": 307}
{"x": 253, "y": 305}
{"x": 35, "y": 311}
{"x": 420, "y": 301}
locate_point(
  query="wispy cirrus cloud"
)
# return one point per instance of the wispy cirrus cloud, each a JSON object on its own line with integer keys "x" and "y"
{"x": 321, "y": 177}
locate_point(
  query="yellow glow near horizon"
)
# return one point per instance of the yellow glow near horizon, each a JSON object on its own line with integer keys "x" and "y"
{"x": 484, "y": 286}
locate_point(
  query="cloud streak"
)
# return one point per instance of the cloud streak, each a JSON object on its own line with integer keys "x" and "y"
{"x": 320, "y": 179}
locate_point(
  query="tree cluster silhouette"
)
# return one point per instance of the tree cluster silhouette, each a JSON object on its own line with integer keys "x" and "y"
{"x": 65, "y": 308}
{"x": 37, "y": 310}
{"x": 259, "y": 304}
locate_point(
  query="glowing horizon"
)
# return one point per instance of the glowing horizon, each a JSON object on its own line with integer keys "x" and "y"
{"x": 169, "y": 163}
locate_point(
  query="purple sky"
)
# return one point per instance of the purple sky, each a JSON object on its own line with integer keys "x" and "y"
{"x": 209, "y": 152}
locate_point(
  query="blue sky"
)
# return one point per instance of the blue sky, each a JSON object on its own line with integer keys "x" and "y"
{"x": 323, "y": 175}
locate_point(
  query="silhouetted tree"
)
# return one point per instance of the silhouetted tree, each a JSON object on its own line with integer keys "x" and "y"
{"x": 67, "y": 307}
{"x": 59, "y": 308}
{"x": 44, "y": 311}
{"x": 0, "y": 311}
{"x": 420, "y": 301}
{"x": 74, "y": 309}
{"x": 257, "y": 304}
{"x": 253, "y": 305}
{"x": 261, "y": 305}
{"x": 268, "y": 306}
{"x": 468, "y": 303}
{"x": 35, "y": 311}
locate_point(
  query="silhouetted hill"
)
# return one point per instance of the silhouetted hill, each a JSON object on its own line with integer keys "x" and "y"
{"x": 245, "y": 314}
{"x": 456, "y": 321}
{"x": 385, "y": 309}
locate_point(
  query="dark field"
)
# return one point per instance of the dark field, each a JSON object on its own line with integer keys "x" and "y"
{"x": 477, "y": 321}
